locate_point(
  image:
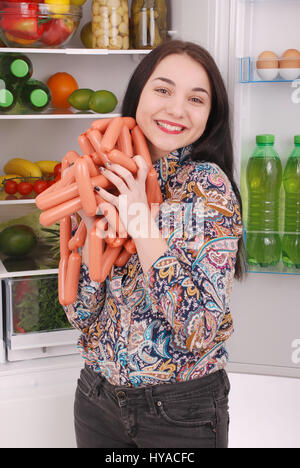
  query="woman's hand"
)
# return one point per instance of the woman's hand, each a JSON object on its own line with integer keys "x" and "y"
{"x": 131, "y": 202}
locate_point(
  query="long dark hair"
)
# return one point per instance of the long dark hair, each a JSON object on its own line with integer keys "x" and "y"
{"x": 215, "y": 145}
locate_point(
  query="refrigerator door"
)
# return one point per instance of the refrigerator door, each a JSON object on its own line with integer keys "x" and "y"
{"x": 265, "y": 306}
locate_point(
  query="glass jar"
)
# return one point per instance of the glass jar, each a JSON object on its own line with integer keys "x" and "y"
{"x": 110, "y": 24}
{"x": 148, "y": 23}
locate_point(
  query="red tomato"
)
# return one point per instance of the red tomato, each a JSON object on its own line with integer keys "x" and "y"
{"x": 57, "y": 170}
{"x": 11, "y": 187}
{"x": 24, "y": 188}
{"x": 57, "y": 31}
{"x": 51, "y": 182}
{"x": 40, "y": 185}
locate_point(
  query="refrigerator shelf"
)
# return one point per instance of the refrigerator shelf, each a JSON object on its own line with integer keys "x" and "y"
{"x": 54, "y": 116}
{"x": 248, "y": 73}
{"x": 76, "y": 51}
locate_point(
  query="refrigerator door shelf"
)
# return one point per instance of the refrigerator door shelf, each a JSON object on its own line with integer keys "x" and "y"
{"x": 279, "y": 267}
{"x": 248, "y": 72}
{"x": 40, "y": 345}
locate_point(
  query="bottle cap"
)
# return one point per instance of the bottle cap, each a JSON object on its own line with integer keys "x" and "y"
{"x": 19, "y": 68}
{"x": 39, "y": 97}
{"x": 297, "y": 139}
{"x": 6, "y": 98}
{"x": 265, "y": 139}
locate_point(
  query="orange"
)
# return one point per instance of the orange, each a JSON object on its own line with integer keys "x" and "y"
{"x": 61, "y": 85}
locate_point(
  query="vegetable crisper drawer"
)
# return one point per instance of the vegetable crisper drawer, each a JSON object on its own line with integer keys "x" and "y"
{"x": 36, "y": 323}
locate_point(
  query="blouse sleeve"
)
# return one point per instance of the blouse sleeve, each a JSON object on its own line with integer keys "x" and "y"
{"x": 191, "y": 283}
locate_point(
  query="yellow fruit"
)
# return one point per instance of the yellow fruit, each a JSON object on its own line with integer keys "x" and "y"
{"x": 77, "y": 2}
{"x": 47, "y": 167}
{"x": 3, "y": 178}
{"x": 58, "y": 6}
{"x": 22, "y": 167}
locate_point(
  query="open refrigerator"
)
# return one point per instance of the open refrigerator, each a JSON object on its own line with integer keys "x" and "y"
{"x": 265, "y": 306}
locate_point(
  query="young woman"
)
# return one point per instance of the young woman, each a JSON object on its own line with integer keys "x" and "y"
{"x": 154, "y": 333}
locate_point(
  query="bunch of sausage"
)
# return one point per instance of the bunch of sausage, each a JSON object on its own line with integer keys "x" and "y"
{"x": 114, "y": 140}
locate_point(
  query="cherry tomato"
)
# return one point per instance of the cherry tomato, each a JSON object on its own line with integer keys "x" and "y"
{"x": 24, "y": 188}
{"x": 11, "y": 187}
{"x": 40, "y": 185}
{"x": 57, "y": 170}
{"x": 51, "y": 182}
{"x": 57, "y": 178}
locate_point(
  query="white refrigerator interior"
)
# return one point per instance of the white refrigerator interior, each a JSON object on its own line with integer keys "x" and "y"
{"x": 37, "y": 393}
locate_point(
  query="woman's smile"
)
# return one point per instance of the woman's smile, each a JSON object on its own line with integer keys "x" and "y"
{"x": 170, "y": 127}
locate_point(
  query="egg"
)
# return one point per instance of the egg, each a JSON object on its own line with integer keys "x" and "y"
{"x": 267, "y": 59}
{"x": 290, "y": 59}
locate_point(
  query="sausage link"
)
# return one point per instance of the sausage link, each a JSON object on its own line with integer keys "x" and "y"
{"x": 125, "y": 142}
{"x": 122, "y": 258}
{"x": 56, "y": 213}
{"x": 65, "y": 231}
{"x": 111, "y": 135}
{"x": 72, "y": 278}
{"x": 79, "y": 237}
{"x": 96, "y": 249}
{"x": 85, "y": 189}
{"x": 85, "y": 144}
{"x": 117, "y": 157}
{"x": 140, "y": 145}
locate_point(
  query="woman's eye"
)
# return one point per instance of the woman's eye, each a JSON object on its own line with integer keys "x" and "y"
{"x": 196, "y": 100}
{"x": 162, "y": 90}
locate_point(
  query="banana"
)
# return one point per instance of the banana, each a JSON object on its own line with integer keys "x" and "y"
{"x": 22, "y": 167}
{"x": 47, "y": 167}
{"x": 9, "y": 176}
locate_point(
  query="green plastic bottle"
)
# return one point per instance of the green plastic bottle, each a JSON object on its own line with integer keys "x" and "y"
{"x": 15, "y": 68}
{"x": 264, "y": 179}
{"x": 291, "y": 183}
{"x": 7, "y": 97}
{"x": 34, "y": 95}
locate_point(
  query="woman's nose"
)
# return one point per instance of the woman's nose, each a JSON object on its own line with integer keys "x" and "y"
{"x": 176, "y": 107}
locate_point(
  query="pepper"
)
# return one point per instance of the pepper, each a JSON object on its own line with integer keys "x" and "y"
{"x": 22, "y": 22}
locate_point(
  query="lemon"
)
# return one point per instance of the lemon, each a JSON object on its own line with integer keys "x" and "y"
{"x": 103, "y": 102}
{"x": 86, "y": 35}
{"x": 80, "y": 98}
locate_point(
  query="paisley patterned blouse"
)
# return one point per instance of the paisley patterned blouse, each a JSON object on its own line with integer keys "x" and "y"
{"x": 170, "y": 324}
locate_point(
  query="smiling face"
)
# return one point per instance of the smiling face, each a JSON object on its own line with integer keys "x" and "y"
{"x": 174, "y": 105}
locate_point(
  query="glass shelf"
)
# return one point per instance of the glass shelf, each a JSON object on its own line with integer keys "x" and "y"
{"x": 248, "y": 73}
{"x": 279, "y": 268}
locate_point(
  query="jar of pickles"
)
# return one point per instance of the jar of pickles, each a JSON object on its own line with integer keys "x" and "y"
{"x": 110, "y": 24}
{"x": 148, "y": 23}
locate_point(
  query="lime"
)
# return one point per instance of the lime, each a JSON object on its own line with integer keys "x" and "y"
{"x": 17, "y": 240}
{"x": 103, "y": 102}
{"x": 80, "y": 98}
{"x": 86, "y": 35}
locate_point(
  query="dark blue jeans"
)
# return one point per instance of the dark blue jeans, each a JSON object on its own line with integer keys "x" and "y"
{"x": 190, "y": 414}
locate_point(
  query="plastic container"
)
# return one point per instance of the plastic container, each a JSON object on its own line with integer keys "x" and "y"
{"x": 110, "y": 24}
{"x": 37, "y": 24}
{"x": 264, "y": 179}
{"x": 291, "y": 183}
{"x": 148, "y": 23}
{"x": 15, "y": 68}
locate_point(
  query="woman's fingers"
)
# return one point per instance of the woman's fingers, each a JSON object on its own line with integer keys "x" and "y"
{"x": 142, "y": 167}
